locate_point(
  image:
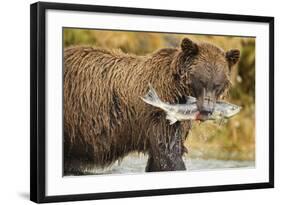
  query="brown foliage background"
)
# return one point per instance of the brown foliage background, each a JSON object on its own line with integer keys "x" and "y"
{"x": 232, "y": 140}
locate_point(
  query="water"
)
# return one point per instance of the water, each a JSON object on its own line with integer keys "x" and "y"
{"x": 136, "y": 164}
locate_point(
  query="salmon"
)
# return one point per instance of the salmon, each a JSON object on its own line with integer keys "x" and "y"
{"x": 189, "y": 110}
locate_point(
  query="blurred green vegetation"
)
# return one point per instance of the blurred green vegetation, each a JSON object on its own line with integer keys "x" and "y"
{"x": 233, "y": 140}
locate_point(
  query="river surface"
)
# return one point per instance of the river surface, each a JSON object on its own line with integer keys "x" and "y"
{"x": 136, "y": 164}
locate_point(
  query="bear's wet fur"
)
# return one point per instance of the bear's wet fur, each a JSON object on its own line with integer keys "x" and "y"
{"x": 104, "y": 116}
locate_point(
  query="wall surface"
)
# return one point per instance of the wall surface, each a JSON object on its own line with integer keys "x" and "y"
{"x": 14, "y": 101}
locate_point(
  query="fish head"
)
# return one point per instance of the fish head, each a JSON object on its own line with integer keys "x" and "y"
{"x": 224, "y": 110}
{"x": 232, "y": 110}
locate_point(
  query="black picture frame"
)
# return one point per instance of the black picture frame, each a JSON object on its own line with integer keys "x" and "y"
{"x": 38, "y": 100}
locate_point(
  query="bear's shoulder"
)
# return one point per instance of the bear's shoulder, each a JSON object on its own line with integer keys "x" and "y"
{"x": 165, "y": 52}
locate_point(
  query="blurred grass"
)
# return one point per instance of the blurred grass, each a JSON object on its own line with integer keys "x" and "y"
{"x": 234, "y": 140}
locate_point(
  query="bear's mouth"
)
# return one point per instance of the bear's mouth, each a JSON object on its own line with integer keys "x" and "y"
{"x": 203, "y": 115}
{"x": 206, "y": 113}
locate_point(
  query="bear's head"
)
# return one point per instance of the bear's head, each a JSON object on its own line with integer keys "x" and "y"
{"x": 204, "y": 69}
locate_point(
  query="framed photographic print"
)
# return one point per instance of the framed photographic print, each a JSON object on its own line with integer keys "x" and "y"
{"x": 129, "y": 102}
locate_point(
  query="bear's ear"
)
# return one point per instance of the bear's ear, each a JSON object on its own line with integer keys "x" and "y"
{"x": 232, "y": 56}
{"x": 189, "y": 47}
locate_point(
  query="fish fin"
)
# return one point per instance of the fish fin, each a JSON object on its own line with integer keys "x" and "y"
{"x": 190, "y": 99}
{"x": 171, "y": 119}
{"x": 151, "y": 97}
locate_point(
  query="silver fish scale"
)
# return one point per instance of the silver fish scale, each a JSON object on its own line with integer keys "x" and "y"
{"x": 188, "y": 111}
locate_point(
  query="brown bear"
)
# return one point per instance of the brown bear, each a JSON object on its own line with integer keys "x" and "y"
{"x": 105, "y": 118}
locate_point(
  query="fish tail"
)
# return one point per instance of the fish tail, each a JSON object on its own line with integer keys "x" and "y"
{"x": 151, "y": 97}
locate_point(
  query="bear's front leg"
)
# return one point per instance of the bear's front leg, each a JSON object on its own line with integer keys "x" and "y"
{"x": 166, "y": 151}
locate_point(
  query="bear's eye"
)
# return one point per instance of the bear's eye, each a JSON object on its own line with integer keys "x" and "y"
{"x": 203, "y": 83}
{"x": 217, "y": 86}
